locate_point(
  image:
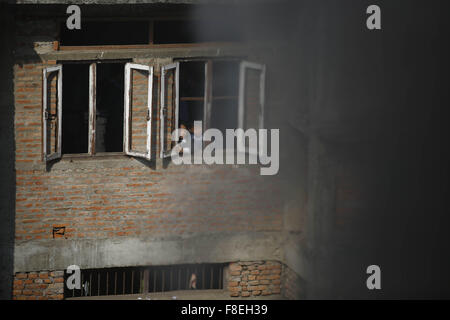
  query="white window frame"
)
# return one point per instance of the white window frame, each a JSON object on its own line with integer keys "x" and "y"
{"x": 207, "y": 95}
{"x": 165, "y": 68}
{"x": 92, "y": 107}
{"x": 244, "y": 65}
{"x": 45, "y": 73}
{"x": 127, "y": 110}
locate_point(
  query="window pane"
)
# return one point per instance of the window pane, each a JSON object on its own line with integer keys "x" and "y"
{"x": 76, "y": 108}
{"x": 225, "y": 78}
{"x": 190, "y": 111}
{"x": 224, "y": 114}
{"x": 252, "y": 98}
{"x": 109, "y": 112}
{"x": 192, "y": 79}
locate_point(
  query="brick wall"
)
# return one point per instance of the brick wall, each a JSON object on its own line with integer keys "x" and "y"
{"x": 131, "y": 199}
{"x": 100, "y": 198}
{"x": 96, "y": 198}
{"x": 44, "y": 285}
{"x": 254, "y": 278}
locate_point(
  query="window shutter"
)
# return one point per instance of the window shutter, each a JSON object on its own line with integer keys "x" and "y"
{"x": 138, "y": 110}
{"x": 169, "y": 107}
{"x": 52, "y": 112}
{"x": 251, "y": 100}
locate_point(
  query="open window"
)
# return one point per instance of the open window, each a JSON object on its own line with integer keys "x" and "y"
{"x": 52, "y": 112}
{"x": 93, "y": 114}
{"x": 138, "y": 110}
{"x": 169, "y": 107}
{"x": 251, "y": 102}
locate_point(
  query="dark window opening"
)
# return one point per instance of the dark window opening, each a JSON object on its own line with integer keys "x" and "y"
{"x": 192, "y": 90}
{"x": 109, "y": 111}
{"x": 106, "y": 33}
{"x": 225, "y": 91}
{"x": 135, "y": 280}
{"x": 194, "y": 31}
{"x": 75, "y": 117}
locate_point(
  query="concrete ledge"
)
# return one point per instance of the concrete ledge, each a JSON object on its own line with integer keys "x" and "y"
{"x": 58, "y": 254}
{"x": 182, "y": 295}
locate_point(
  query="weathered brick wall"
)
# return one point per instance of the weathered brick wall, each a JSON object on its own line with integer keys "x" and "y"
{"x": 44, "y": 285}
{"x": 254, "y": 278}
{"x": 135, "y": 200}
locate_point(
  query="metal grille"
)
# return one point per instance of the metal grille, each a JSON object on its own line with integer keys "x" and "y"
{"x": 134, "y": 280}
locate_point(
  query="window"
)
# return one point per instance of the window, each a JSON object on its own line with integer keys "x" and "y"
{"x": 251, "y": 101}
{"x": 138, "y": 109}
{"x": 169, "y": 106}
{"x": 107, "y": 106}
{"x": 52, "y": 112}
{"x": 149, "y": 32}
{"x": 142, "y": 280}
{"x": 92, "y": 120}
{"x": 195, "y": 31}
{"x": 224, "y": 94}
{"x": 106, "y": 33}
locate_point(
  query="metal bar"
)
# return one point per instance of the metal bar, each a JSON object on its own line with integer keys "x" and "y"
{"x": 141, "y": 282}
{"x": 179, "y": 278}
{"x": 90, "y": 283}
{"x": 123, "y": 283}
{"x": 154, "y": 280}
{"x": 203, "y": 277}
{"x": 132, "y": 280}
{"x": 220, "y": 278}
{"x": 171, "y": 279}
{"x": 115, "y": 282}
{"x": 212, "y": 278}
{"x": 146, "y": 280}
{"x": 98, "y": 283}
{"x": 107, "y": 280}
{"x": 195, "y": 272}
{"x": 163, "y": 279}
{"x": 187, "y": 277}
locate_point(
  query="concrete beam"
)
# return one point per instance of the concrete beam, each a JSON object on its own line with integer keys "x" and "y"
{"x": 58, "y": 254}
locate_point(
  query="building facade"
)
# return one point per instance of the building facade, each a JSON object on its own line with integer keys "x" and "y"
{"x": 93, "y": 113}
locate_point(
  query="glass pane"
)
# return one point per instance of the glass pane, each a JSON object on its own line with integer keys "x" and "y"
{"x": 109, "y": 112}
{"x": 76, "y": 108}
